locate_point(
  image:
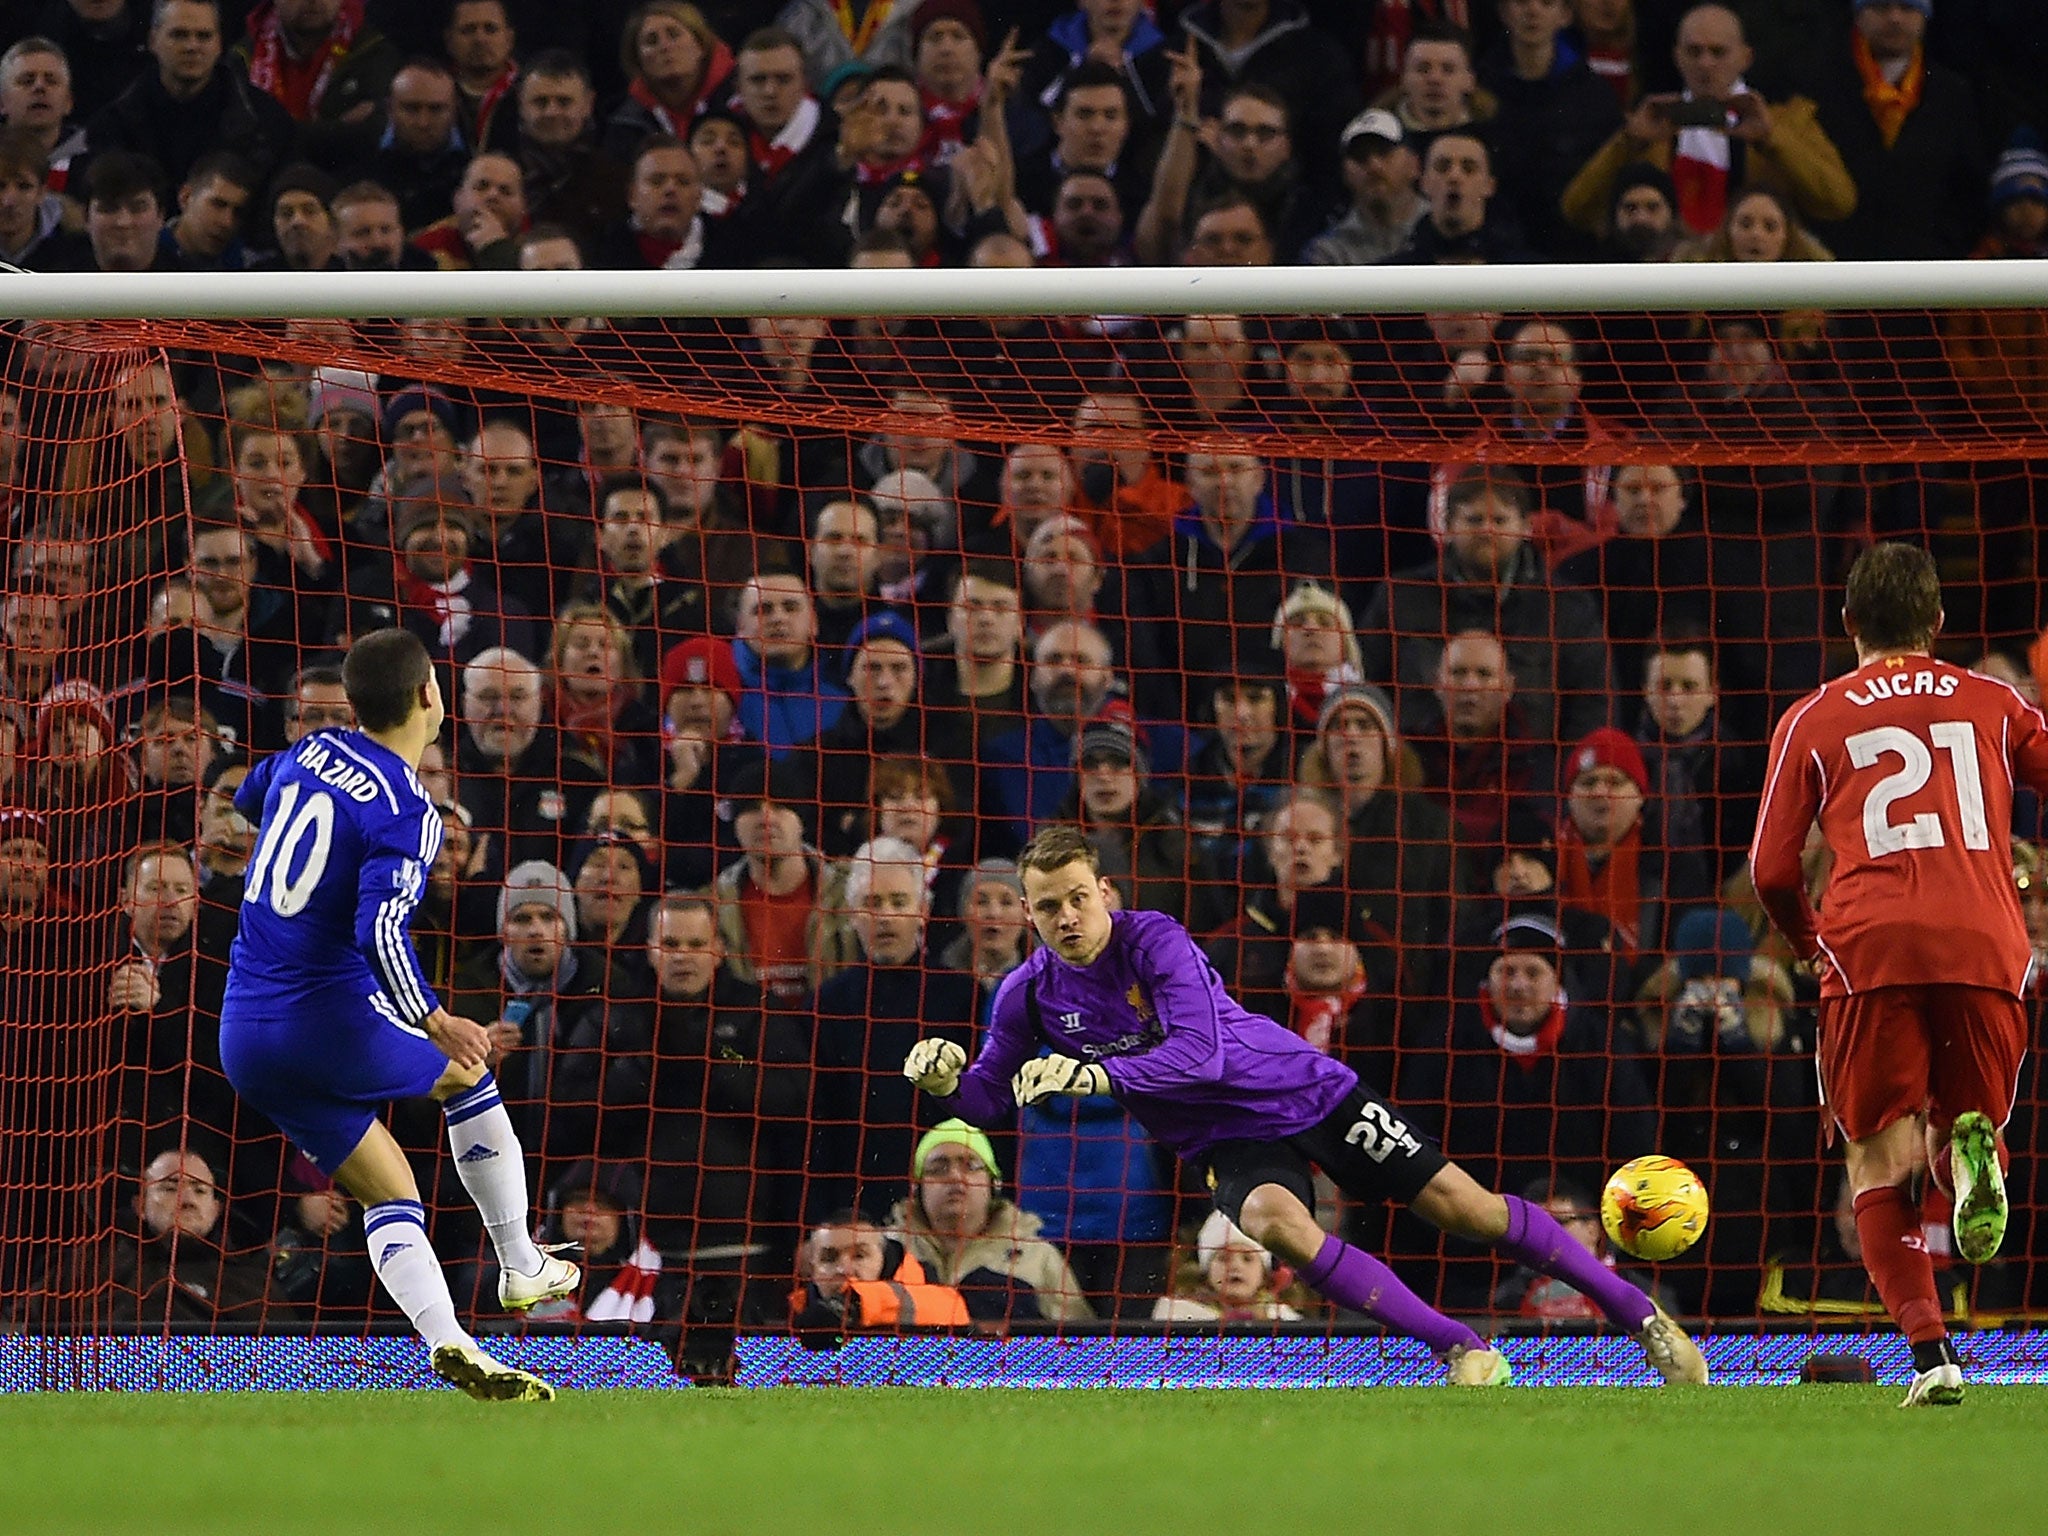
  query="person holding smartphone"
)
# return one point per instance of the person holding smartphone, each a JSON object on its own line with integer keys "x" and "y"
{"x": 1716, "y": 137}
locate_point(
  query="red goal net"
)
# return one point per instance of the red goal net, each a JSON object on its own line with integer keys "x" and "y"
{"x": 1421, "y": 666}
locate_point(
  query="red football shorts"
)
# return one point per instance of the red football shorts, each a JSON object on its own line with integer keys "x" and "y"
{"x": 1896, "y": 1051}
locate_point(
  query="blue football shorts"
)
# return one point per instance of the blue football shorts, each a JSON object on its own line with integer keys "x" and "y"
{"x": 323, "y": 1074}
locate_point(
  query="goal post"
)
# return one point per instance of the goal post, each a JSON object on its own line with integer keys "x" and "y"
{"x": 1359, "y": 615}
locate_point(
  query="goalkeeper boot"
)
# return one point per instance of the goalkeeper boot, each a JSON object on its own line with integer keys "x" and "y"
{"x": 1477, "y": 1367}
{"x": 555, "y": 1277}
{"x": 1940, "y": 1385}
{"x": 487, "y": 1380}
{"x": 1979, "y": 1185}
{"x": 1671, "y": 1351}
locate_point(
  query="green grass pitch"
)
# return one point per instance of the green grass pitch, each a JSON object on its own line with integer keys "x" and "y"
{"x": 1790, "y": 1461}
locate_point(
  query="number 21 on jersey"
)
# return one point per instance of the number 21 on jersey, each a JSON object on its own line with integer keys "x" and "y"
{"x": 1956, "y": 740}
{"x": 284, "y": 836}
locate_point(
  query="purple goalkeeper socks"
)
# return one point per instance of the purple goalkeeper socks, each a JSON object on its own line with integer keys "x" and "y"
{"x": 1357, "y": 1280}
{"x": 1535, "y": 1238}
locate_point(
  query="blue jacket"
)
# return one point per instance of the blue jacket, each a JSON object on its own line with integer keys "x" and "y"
{"x": 785, "y": 707}
{"x": 1090, "y": 1174}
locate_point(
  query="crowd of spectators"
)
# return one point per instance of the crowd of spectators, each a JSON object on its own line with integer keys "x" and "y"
{"x": 1450, "y": 766}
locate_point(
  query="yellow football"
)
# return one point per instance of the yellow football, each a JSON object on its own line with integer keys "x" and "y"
{"x": 1654, "y": 1208}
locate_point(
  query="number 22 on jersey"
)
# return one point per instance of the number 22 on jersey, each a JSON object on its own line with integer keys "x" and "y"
{"x": 284, "y": 835}
{"x": 1957, "y": 741}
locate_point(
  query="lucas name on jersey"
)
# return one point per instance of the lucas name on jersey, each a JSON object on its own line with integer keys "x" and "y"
{"x": 1901, "y": 685}
{"x": 336, "y": 772}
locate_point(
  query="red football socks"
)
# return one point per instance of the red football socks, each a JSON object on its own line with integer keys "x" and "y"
{"x": 1896, "y": 1255}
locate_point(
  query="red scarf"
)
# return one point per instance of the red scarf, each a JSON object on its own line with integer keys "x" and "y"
{"x": 1525, "y": 1051}
{"x": 1614, "y": 891}
{"x": 945, "y": 125}
{"x": 1890, "y": 104}
{"x": 1318, "y": 1016}
{"x": 298, "y": 84}
{"x": 591, "y": 728}
{"x": 493, "y": 97}
{"x": 771, "y": 155}
{"x": 445, "y": 601}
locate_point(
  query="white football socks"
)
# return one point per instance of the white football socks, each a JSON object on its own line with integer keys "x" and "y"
{"x": 493, "y": 1170}
{"x": 396, "y": 1232}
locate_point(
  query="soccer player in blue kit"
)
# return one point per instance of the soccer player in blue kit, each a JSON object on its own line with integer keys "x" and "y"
{"x": 1129, "y": 1006}
{"x": 329, "y": 1017}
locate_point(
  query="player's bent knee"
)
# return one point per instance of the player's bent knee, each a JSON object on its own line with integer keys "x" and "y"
{"x": 1889, "y": 1157}
{"x": 1274, "y": 1217}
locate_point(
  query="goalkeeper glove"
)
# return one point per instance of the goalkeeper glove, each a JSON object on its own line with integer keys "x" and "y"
{"x": 934, "y": 1065}
{"x": 1045, "y": 1076}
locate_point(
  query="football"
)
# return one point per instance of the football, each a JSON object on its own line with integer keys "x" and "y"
{"x": 1654, "y": 1208}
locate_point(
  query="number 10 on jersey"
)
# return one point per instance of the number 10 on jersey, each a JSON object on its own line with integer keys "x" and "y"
{"x": 284, "y": 832}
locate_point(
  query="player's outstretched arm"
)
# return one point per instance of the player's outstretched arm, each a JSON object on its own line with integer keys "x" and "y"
{"x": 981, "y": 1094}
{"x": 1184, "y": 990}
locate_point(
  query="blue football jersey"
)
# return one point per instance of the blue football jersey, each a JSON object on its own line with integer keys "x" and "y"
{"x": 347, "y": 836}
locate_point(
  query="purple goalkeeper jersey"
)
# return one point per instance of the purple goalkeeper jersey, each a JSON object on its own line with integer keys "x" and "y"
{"x": 1183, "y": 1056}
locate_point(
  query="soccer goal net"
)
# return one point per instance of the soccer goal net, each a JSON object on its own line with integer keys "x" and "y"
{"x": 1414, "y": 643}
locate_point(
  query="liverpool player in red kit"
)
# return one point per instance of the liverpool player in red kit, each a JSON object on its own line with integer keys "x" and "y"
{"x": 1921, "y": 951}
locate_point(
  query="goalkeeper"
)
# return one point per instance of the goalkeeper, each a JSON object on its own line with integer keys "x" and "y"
{"x": 1130, "y": 1007}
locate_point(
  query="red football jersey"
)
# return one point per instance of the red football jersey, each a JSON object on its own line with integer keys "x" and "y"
{"x": 1910, "y": 763}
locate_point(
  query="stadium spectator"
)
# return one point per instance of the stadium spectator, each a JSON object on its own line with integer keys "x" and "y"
{"x": 1028, "y": 768}
{"x": 1136, "y": 830}
{"x": 124, "y": 215}
{"x": 487, "y": 213}
{"x": 81, "y": 784}
{"x": 1490, "y": 577}
{"x": 700, "y": 687}
{"x": 569, "y": 180}
{"x": 850, "y": 1274}
{"x": 1642, "y": 215}
{"x": 1245, "y": 763}
{"x": 599, "y": 702}
{"x": 791, "y": 695}
{"x": 227, "y": 840}
{"x": 1910, "y": 135}
{"x": 912, "y": 798}
{"x": 797, "y": 183}
{"x": 1318, "y": 644}
{"x": 1460, "y": 224}
{"x": 420, "y": 153}
{"x": 31, "y": 220}
{"x": 1438, "y": 89}
{"x": 664, "y": 224}
{"x": 1540, "y": 398}
{"x": 1273, "y": 43}
{"x": 1089, "y": 119}
{"x": 1705, "y": 779}
{"x": 885, "y": 720}
{"x": 1654, "y": 571}
{"x": 537, "y": 990}
{"x": 597, "y": 1207}
{"x": 316, "y": 701}
{"x": 319, "y": 59}
{"x": 1214, "y": 585}
{"x": 524, "y": 789}
{"x": 534, "y": 556}
{"x": 1552, "y": 114}
{"x": 843, "y": 558}
{"x": 865, "y": 1116}
{"x": 192, "y": 101}
{"x": 1480, "y": 759}
{"x": 613, "y": 881}
{"x": 1781, "y": 145}
{"x": 438, "y": 590}
{"x": 1232, "y": 1280}
{"x": 1122, "y": 489}
{"x": 995, "y": 935}
{"x": 1380, "y": 168}
{"x": 829, "y": 39}
{"x": 1997, "y": 354}
{"x": 1400, "y": 871}
{"x": 1528, "y": 1084}
{"x": 1064, "y": 577}
{"x": 1299, "y": 849}
{"x": 1613, "y": 859}
{"x": 706, "y": 1083}
{"x": 169, "y": 1264}
{"x": 165, "y": 986}
{"x": 299, "y": 223}
{"x": 781, "y": 906}
{"x": 480, "y": 43}
{"x": 457, "y": 911}
{"x": 206, "y": 234}
{"x": 33, "y": 644}
{"x": 968, "y": 1235}
{"x": 36, "y": 106}
{"x": 1332, "y": 1001}
{"x": 675, "y": 66}
{"x": 633, "y": 536}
